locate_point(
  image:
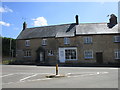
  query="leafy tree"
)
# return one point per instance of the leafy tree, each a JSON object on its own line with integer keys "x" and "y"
{"x": 6, "y": 46}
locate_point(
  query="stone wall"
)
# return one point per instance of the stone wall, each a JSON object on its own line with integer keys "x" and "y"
{"x": 100, "y": 43}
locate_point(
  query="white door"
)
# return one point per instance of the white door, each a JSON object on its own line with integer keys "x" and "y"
{"x": 62, "y": 55}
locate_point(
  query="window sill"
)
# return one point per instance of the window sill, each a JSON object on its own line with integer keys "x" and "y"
{"x": 27, "y": 56}
{"x": 28, "y": 46}
{"x": 87, "y": 58}
{"x": 117, "y": 58}
{"x": 50, "y": 55}
{"x": 116, "y": 41}
{"x": 44, "y": 45}
{"x": 71, "y": 59}
{"x": 66, "y": 44}
{"x": 88, "y": 43}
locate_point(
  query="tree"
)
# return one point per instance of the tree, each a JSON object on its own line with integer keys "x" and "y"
{"x": 6, "y": 51}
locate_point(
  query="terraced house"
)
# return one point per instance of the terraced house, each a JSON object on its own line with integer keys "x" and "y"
{"x": 80, "y": 43}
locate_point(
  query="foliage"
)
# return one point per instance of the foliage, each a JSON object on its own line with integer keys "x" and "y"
{"x": 8, "y": 61}
{"x": 6, "y": 46}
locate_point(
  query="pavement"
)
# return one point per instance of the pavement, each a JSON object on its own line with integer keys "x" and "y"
{"x": 23, "y": 76}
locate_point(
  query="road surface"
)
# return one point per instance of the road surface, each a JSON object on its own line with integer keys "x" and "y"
{"x": 21, "y": 76}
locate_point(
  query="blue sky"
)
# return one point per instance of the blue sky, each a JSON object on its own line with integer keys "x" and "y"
{"x": 38, "y": 14}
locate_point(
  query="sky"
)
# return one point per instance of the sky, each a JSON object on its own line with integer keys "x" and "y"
{"x": 37, "y": 14}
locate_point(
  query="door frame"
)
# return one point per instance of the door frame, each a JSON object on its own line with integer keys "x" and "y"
{"x": 41, "y": 56}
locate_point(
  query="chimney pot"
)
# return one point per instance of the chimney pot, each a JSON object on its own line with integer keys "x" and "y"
{"x": 77, "y": 21}
{"x": 24, "y": 25}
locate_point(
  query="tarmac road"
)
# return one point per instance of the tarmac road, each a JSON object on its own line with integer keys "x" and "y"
{"x": 21, "y": 76}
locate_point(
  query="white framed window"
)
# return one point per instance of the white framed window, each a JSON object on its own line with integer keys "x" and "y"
{"x": 66, "y": 40}
{"x": 70, "y": 54}
{"x": 67, "y": 53}
{"x": 87, "y": 40}
{"x": 44, "y": 42}
{"x": 88, "y": 54}
{"x": 50, "y": 53}
{"x": 27, "y": 42}
{"x": 27, "y": 53}
{"x": 117, "y": 54}
{"x": 116, "y": 38}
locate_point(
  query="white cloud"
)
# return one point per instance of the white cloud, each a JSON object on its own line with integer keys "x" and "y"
{"x": 40, "y": 21}
{"x": 4, "y": 23}
{"x": 5, "y": 9}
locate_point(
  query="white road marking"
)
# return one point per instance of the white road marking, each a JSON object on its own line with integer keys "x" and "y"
{"x": 27, "y": 81}
{"x": 21, "y": 80}
{"x": 7, "y": 75}
{"x": 32, "y": 73}
{"x": 22, "y": 73}
{"x": 24, "y": 79}
{"x": 87, "y": 74}
{"x": 8, "y": 83}
{"x": 40, "y": 79}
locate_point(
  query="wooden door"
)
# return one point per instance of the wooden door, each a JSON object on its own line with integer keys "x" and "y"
{"x": 99, "y": 57}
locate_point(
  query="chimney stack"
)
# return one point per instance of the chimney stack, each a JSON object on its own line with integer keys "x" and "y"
{"x": 77, "y": 21}
{"x": 112, "y": 21}
{"x": 24, "y": 25}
